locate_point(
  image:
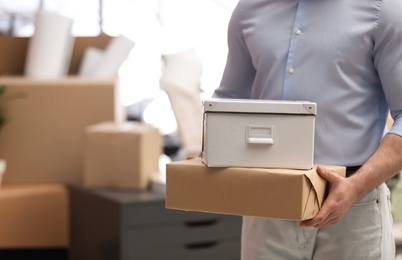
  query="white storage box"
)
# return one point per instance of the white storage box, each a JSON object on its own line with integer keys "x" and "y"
{"x": 258, "y": 133}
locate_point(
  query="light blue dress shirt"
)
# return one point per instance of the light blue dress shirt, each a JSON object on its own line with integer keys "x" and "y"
{"x": 345, "y": 55}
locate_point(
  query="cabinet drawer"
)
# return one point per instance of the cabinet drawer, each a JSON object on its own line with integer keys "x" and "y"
{"x": 213, "y": 250}
{"x": 182, "y": 234}
{"x": 157, "y": 213}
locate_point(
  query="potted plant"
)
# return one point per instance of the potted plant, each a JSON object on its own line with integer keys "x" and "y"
{"x": 2, "y": 113}
{"x": 3, "y": 120}
{"x": 3, "y": 100}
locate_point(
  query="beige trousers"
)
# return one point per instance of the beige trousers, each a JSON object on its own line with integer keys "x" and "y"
{"x": 365, "y": 233}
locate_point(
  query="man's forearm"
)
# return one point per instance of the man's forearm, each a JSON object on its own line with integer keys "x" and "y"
{"x": 381, "y": 166}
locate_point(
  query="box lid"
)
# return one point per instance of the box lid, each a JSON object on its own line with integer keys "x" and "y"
{"x": 259, "y": 106}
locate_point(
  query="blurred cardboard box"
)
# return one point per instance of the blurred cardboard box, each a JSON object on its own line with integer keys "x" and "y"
{"x": 121, "y": 155}
{"x": 270, "y": 193}
{"x": 34, "y": 216}
{"x": 43, "y": 140}
{"x": 258, "y": 133}
{"x": 13, "y": 51}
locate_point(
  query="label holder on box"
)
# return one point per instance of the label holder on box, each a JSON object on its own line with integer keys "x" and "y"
{"x": 260, "y": 134}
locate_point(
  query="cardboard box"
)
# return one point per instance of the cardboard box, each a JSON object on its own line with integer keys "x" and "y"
{"x": 121, "y": 155}
{"x": 34, "y": 216}
{"x": 43, "y": 141}
{"x": 270, "y": 193}
{"x": 258, "y": 133}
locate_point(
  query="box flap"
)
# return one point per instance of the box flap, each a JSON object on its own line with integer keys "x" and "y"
{"x": 13, "y": 52}
{"x": 259, "y": 106}
{"x": 318, "y": 183}
{"x": 311, "y": 206}
{"x": 113, "y": 127}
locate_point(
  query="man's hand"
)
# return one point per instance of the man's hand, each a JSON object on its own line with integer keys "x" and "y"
{"x": 344, "y": 192}
{"x": 340, "y": 199}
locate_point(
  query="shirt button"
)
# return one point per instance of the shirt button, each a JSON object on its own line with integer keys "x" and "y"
{"x": 292, "y": 70}
{"x": 298, "y": 32}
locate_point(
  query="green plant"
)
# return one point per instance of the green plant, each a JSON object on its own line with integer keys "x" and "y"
{"x": 3, "y": 100}
{"x": 2, "y": 112}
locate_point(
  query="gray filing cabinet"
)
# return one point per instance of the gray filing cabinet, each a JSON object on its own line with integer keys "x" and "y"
{"x": 131, "y": 225}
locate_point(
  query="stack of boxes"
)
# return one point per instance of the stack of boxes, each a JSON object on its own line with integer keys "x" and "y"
{"x": 63, "y": 131}
{"x": 42, "y": 143}
{"x": 257, "y": 160}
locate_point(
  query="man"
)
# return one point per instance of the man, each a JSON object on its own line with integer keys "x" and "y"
{"x": 345, "y": 55}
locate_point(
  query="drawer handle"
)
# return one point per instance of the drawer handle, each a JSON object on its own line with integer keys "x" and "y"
{"x": 201, "y": 245}
{"x": 260, "y": 134}
{"x": 201, "y": 223}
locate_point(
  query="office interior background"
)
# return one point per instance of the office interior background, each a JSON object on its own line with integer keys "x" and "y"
{"x": 158, "y": 28}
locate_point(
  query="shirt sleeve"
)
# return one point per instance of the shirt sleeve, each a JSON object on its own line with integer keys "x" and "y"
{"x": 239, "y": 72}
{"x": 388, "y": 58}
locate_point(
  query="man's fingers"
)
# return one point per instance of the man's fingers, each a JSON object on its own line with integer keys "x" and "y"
{"x": 329, "y": 175}
{"x": 318, "y": 221}
{"x": 329, "y": 213}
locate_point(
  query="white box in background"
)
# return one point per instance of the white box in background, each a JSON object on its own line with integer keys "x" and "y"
{"x": 258, "y": 133}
